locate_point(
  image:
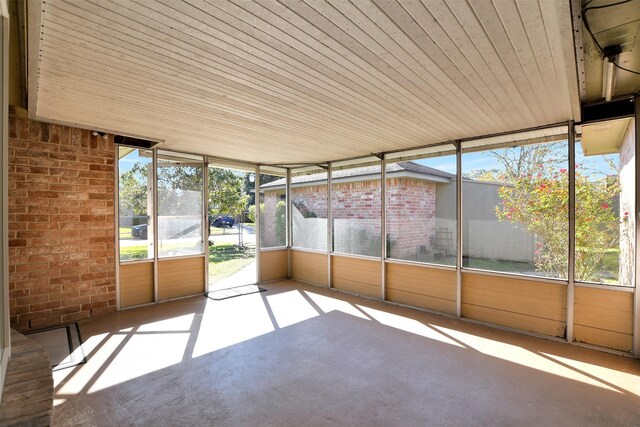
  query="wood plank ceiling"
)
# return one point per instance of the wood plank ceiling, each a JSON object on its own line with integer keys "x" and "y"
{"x": 302, "y": 81}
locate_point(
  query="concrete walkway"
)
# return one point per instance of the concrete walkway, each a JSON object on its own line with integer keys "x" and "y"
{"x": 245, "y": 276}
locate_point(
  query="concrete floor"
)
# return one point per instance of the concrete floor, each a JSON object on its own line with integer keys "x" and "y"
{"x": 245, "y": 276}
{"x": 302, "y": 355}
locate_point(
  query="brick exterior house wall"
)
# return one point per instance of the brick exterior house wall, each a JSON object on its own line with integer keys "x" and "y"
{"x": 356, "y": 208}
{"x": 313, "y": 197}
{"x": 61, "y": 224}
{"x": 627, "y": 204}
{"x": 310, "y": 217}
{"x": 411, "y": 214}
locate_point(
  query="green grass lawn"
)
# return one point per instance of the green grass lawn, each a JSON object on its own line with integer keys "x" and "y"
{"x": 226, "y": 259}
{"x": 503, "y": 266}
{"x": 140, "y": 251}
{"x": 608, "y": 266}
{"x": 134, "y": 252}
{"x": 125, "y": 233}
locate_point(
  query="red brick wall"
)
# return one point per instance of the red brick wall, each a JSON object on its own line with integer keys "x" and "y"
{"x": 355, "y": 209}
{"x": 411, "y": 216}
{"x": 411, "y": 211}
{"x": 61, "y": 224}
{"x": 314, "y": 197}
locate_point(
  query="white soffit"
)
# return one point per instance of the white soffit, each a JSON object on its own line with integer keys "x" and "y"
{"x": 603, "y": 137}
{"x": 301, "y": 81}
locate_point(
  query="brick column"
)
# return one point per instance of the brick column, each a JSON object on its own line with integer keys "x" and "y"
{"x": 61, "y": 224}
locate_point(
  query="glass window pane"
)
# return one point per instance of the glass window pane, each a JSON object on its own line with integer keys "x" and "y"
{"x": 515, "y": 208}
{"x": 180, "y": 204}
{"x": 135, "y": 199}
{"x": 355, "y": 209}
{"x": 309, "y": 209}
{"x": 605, "y": 194}
{"x": 273, "y": 209}
{"x": 421, "y": 209}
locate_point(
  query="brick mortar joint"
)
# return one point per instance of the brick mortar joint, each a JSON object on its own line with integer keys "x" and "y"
{"x": 39, "y": 153}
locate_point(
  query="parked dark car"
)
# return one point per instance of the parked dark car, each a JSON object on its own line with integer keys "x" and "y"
{"x": 139, "y": 231}
{"x": 223, "y": 221}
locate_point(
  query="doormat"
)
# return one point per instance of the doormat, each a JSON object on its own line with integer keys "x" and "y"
{"x": 63, "y": 344}
{"x": 234, "y": 292}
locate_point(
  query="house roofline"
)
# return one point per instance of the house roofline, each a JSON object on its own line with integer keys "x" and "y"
{"x": 360, "y": 178}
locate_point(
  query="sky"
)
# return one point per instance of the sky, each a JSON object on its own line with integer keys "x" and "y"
{"x": 470, "y": 162}
{"x": 596, "y": 165}
{"x": 126, "y": 163}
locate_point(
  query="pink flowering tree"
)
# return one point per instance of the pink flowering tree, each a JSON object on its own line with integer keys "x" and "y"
{"x": 538, "y": 202}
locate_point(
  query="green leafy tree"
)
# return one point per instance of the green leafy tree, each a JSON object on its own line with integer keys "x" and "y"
{"x": 484, "y": 175}
{"x": 537, "y": 201}
{"x": 252, "y": 212}
{"x": 301, "y": 206}
{"x": 249, "y": 184}
{"x": 179, "y": 189}
{"x": 525, "y": 159}
{"x": 280, "y": 223}
{"x": 228, "y": 194}
{"x": 133, "y": 194}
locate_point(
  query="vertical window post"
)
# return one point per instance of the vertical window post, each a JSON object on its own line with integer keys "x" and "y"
{"x": 636, "y": 294}
{"x": 458, "y": 229}
{"x": 256, "y": 224}
{"x": 572, "y": 230}
{"x": 205, "y": 216}
{"x": 383, "y": 225}
{"x": 289, "y": 224}
{"x": 116, "y": 204}
{"x": 329, "y": 224}
{"x": 154, "y": 215}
